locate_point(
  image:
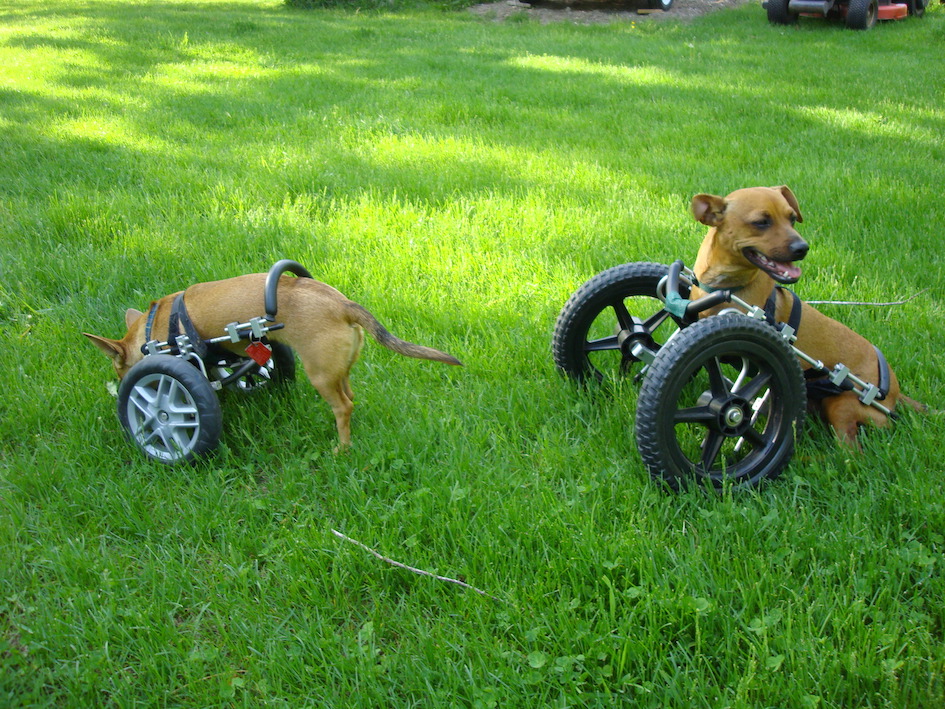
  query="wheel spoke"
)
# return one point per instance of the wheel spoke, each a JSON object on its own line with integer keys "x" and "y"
{"x": 164, "y": 389}
{"x": 182, "y": 439}
{"x": 755, "y": 438}
{"x": 753, "y": 388}
{"x": 655, "y": 320}
{"x": 143, "y": 406}
{"x": 602, "y": 345}
{"x": 178, "y": 401}
{"x": 624, "y": 319}
{"x": 717, "y": 382}
{"x": 146, "y": 434}
{"x": 170, "y": 444}
{"x": 711, "y": 448}
{"x": 694, "y": 414}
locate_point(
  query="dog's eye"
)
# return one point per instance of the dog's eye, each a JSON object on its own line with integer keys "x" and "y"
{"x": 762, "y": 224}
{"x": 793, "y": 219}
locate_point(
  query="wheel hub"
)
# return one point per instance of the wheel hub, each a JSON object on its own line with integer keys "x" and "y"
{"x": 637, "y": 343}
{"x": 732, "y": 415}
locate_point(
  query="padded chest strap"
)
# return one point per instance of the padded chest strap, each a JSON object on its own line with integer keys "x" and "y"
{"x": 179, "y": 318}
{"x": 771, "y": 308}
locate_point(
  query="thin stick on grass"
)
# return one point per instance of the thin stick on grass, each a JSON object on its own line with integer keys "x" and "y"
{"x": 421, "y": 572}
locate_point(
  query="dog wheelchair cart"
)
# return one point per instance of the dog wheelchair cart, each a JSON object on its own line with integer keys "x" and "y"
{"x": 167, "y": 402}
{"x": 722, "y": 397}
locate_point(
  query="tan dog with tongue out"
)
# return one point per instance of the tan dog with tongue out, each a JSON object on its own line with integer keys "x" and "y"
{"x": 751, "y": 246}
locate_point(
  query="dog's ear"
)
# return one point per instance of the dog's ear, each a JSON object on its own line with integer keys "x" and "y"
{"x": 708, "y": 209}
{"x": 112, "y": 348}
{"x": 791, "y": 200}
{"x": 131, "y": 315}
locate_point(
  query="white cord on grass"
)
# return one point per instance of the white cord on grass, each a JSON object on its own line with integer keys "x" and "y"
{"x": 860, "y": 302}
{"x": 412, "y": 569}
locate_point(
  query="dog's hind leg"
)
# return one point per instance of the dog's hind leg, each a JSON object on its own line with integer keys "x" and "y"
{"x": 335, "y": 392}
{"x": 328, "y": 360}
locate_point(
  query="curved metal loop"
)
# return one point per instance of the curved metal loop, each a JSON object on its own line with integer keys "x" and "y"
{"x": 272, "y": 283}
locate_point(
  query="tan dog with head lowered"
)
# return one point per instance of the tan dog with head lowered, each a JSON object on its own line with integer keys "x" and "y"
{"x": 324, "y": 328}
{"x": 751, "y": 246}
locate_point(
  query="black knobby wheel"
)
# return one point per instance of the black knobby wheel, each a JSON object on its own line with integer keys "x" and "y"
{"x": 862, "y": 14}
{"x": 598, "y": 326}
{"x": 779, "y": 14}
{"x": 916, "y": 7}
{"x": 721, "y": 403}
{"x": 169, "y": 409}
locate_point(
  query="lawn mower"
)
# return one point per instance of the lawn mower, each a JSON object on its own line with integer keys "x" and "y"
{"x": 168, "y": 401}
{"x": 858, "y": 14}
{"x": 722, "y": 397}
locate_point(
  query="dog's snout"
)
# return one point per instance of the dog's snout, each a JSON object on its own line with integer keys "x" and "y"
{"x": 799, "y": 249}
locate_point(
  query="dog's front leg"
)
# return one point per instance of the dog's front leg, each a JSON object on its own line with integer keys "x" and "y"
{"x": 845, "y": 414}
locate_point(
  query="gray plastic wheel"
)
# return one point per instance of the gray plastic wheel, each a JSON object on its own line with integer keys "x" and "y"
{"x": 169, "y": 410}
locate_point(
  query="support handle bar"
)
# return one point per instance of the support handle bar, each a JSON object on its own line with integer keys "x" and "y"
{"x": 272, "y": 283}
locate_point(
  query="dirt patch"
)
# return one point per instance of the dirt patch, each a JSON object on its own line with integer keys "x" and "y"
{"x": 588, "y": 13}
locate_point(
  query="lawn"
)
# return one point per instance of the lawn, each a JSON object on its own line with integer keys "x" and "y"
{"x": 460, "y": 178}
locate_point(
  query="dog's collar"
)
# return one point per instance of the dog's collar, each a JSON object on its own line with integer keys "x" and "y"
{"x": 709, "y": 289}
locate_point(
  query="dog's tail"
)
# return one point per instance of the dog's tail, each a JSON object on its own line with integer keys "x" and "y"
{"x": 917, "y": 405}
{"x": 363, "y": 317}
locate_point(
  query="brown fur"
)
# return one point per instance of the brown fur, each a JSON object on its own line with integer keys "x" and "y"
{"x": 762, "y": 219}
{"x": 324, "y": 328}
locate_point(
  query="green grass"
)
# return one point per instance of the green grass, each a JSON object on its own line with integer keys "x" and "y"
{"x": 460, "y": 178}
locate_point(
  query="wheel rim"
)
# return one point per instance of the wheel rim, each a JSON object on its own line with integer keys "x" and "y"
{"x": 618, "y": 328}
{"x": 163, "y": 417}
{"x": 729, "y": 416}
{"x": 721, "y": 403}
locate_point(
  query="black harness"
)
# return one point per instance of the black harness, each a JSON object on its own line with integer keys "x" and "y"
{"x": 178, "y": 320}
{"x": 819, "y": 387}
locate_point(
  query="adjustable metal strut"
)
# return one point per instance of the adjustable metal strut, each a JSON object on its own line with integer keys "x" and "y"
{"x": 668, "y": 291}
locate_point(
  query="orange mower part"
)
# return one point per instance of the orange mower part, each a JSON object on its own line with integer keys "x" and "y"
{"x": 895, "y": 11}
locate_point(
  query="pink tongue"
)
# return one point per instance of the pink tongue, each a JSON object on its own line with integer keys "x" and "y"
{"x": 789, "y": 270}
{"x": 784, "y": 270}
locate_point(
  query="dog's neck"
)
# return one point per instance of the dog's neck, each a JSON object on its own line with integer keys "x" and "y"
{"x": 752, "y": 284}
